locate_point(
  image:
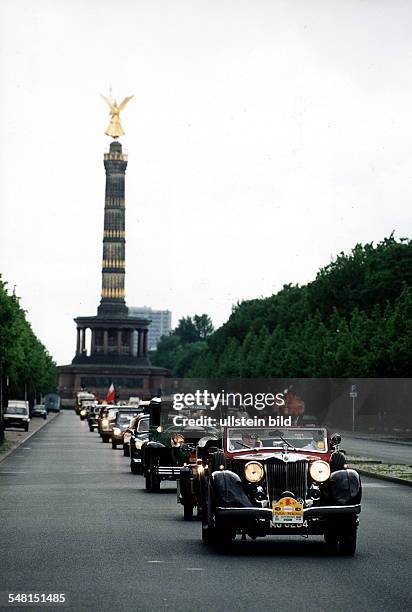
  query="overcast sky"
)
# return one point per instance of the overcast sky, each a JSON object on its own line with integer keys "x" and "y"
{"x": 264, "y": 138}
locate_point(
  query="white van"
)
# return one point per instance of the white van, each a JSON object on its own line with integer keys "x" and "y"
{"x": 17, "y": 414}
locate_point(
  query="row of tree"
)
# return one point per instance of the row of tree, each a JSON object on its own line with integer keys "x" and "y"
{"x": 26, "y": 368}
{"x": 185, "y": 345}
{"x": 353, "y": 320}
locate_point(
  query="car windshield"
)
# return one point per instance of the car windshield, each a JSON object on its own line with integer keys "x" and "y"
{"x": 124, "y": 419}
{"x": 143, "y": 425}
{"x": 304, "y": 438}
{"x": 16, "y": 410}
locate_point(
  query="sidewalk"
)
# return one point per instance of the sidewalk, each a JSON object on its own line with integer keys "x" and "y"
{"x": 15, "y": 437}
{"x": 401, "y": 438}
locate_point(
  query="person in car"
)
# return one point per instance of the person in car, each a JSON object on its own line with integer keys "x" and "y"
{"x": 249, "y": 439}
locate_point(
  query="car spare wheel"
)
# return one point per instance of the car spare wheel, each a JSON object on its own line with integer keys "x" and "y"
{"x": 218, "y": 461}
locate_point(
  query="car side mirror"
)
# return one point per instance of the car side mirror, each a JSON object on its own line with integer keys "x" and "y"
{"x": 336, "y": 439}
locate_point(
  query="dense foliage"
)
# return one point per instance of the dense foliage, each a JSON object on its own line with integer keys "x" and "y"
{"x": 185, "y": 345}
{"x": 26, "y": 368}
{"x": 353, "y": 320}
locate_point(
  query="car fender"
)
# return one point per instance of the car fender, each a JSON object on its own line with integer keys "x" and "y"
{"x": 227, "y": 489}
{"x": 345, "y": 487}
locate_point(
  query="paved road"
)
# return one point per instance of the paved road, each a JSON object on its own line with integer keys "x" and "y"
{"x": 74, "y": 520}
{"x": 377, "y": 449}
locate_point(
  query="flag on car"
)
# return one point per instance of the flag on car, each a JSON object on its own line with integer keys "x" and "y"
{"x": 110, "y": 394}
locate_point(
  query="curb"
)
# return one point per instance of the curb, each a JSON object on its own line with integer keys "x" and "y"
{"x": 400, "y": 481}
{"x": 4, "y": 456}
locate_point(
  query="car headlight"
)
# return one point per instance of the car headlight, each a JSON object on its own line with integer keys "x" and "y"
{"x": 105, "y": 422}
{"x": 254, "y": 471}
{"x": 82, "y": 412}
{"x": 116, "y": 431}
{"x": 319, "y": 471}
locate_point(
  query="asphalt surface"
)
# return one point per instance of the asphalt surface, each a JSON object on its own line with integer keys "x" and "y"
{"x": 74, "y": 520}
{"x": 390, "y": 452}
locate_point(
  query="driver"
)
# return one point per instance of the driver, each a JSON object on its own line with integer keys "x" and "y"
{"x": 250, "y": 439}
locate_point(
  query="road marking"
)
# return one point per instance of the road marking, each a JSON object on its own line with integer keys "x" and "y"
{"x": 377, "y": 486}
{"x": 155, "y": 561}
{"x": 194, "y": 569}
{"x": 1, "y": 472}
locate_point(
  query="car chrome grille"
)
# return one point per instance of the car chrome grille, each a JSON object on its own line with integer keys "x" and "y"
{"x": 283, "y": 476}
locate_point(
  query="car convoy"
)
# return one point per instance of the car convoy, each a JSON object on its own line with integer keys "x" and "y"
{"x": 240, "y": 481}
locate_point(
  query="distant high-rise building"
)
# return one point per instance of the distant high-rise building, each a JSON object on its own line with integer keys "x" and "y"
{"x": 161, "y": 323}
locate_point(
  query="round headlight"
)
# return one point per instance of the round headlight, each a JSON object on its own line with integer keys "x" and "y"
{"x": 82, "y": 412}
{"x": 253, "y": 471}
{"x": 320, "y": 471}
{"x": 116, "y": 431}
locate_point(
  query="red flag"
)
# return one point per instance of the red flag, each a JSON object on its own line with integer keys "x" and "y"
{"x": 110, "y": 394}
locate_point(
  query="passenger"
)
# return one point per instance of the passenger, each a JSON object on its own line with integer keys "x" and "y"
{"x": 317, "y": 443}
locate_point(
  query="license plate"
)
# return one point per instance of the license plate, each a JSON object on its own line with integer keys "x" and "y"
{"x": 287, "y": 511}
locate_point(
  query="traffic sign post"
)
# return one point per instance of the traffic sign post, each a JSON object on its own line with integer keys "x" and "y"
{"x": 353, "y": 393}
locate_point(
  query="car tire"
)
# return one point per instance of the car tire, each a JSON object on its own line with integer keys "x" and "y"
{"x": 148, "y": 483}
{"x": 342, "y": 540}
{"x": 155, "y": 483}
{"x": 126, "y": 452}
{"x": 105, "y": 439}
{"x": 90, "y": 428}
{"x": 45, "y": 417}
{"x": 135, "y": 468}
{"x": 114, "y": 445}
{"x": 188, "y": 512}
{"x": 26, "y": 427}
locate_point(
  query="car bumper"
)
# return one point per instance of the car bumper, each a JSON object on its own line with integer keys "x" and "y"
{"x": 318, "y": 512}
{"x": 15, "y": 422}
{"x": 169, "y": 472}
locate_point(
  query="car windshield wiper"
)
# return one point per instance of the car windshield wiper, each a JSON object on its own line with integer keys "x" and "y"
{"x": 286, "y": 442}
{"x": 246, "y": 445}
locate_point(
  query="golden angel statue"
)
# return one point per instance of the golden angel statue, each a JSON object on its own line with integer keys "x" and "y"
{"x": 115, "y": 129}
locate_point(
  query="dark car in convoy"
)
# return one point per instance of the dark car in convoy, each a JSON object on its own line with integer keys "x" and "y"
{"x": 92, "y": 417}
{"x": 137, "y": 435}
{"x": 288, "y": 481}
{"x": 139, "y": 424}
{"x": 189, "y": 493}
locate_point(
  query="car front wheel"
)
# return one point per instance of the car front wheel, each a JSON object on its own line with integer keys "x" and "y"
{"x": 188, "y": 511}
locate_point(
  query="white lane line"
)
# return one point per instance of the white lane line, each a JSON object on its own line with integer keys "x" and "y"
{"x": 194, "y": 569}
{"x": 377, "y": 486}
{"x": 155, "y": 561}
{"x": 1, "y": 472}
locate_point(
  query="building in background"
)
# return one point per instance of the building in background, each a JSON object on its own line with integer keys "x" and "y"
{"x": 112, "y": 346}
{"x": 161, "y": 323}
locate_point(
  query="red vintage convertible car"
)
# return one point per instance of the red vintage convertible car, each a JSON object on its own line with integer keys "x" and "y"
{"x": 269, "y": 481}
